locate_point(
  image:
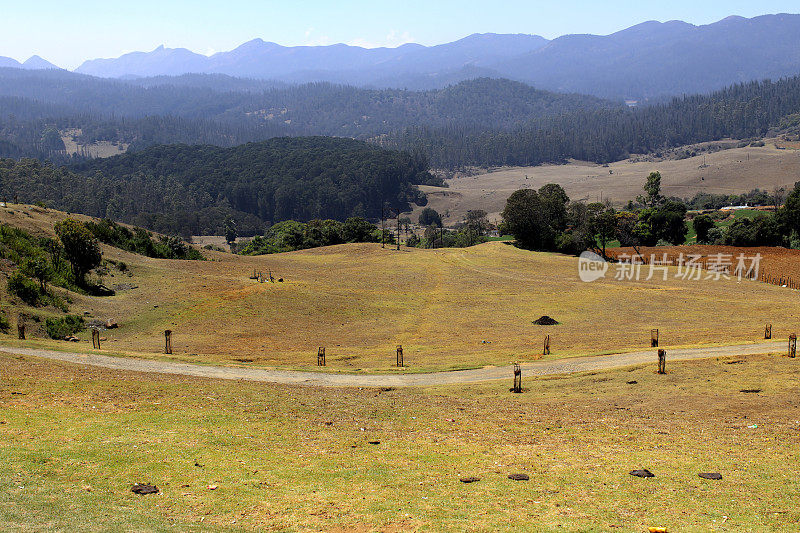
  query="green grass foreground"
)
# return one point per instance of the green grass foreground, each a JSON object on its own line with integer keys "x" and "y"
{"x": 73, "y": 440}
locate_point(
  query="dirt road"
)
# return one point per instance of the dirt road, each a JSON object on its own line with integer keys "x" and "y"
{"x": 539, "y": 368}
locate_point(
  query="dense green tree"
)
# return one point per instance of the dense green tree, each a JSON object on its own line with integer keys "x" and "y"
{"x": 40, "y": 269}
{"x": 430, "y": 217}
{"x": 762, "y": 230}
{"x": 702, "y": 225}
{"x": 652, "y": 190}
{"x": 230, "y": 230}
{"x": 80, "y": 247}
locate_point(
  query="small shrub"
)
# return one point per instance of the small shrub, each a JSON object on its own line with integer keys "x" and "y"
{"x": 58, "y": 328}
{"x": 24, "y": 288}
{"x": 5, "y": 325}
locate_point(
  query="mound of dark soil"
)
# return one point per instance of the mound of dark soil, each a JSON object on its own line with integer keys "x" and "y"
{"x": 642, "y": 473}
{"x": 144, "y": 488}
{"x": 546, "y": 321}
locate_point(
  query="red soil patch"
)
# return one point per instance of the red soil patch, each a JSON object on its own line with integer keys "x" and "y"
{"x": 779, "y": 266}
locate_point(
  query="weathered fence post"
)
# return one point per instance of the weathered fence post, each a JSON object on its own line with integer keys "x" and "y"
{"x": 517, "y": 379}
{"x": 768, "y": 331}
{"x": 546, "y": 350}
{"x": 662, "y": 361}
{"x": 399, "y": 355}
{"x": 95, "y": 338}
{"x": 168, "y": 341}
{"x": 321, "y": 356}
{"x": 21, "y": 329}
{"x": 654, "y": 338}
{"x": 793, "y": 345}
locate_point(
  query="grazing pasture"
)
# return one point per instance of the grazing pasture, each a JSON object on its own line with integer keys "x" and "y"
{"x": 733, "y": 171}
{"x": 230, "y": 456}
{"x": 449, "y": 309}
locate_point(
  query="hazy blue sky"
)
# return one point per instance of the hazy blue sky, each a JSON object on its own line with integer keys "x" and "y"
{"x": 67, "y": 33}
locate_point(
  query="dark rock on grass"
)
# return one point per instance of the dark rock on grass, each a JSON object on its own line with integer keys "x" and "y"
{"x": 376, "y": 442}
{"x": 642, "y": 473}
{"x": 143, "y": 488}
{"x": 710, "y": 475}
{"x": 546, "y": 321}
{"x": 751, "y": 391}
{"x": 519, "y": 477}
{"x": 469, "y": 479}
{"x": 633, "y": 382}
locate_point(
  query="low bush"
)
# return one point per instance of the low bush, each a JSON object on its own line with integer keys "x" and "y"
{"x": 24, "y": 288}
{"x": 58, "y": 328}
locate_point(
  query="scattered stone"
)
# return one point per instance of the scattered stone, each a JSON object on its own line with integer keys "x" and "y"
{"x": 71, "y": 338}
{"x": 143, "y": 488}
{"x": 546, "y": 321}
{"x": 469, "y": 479}
{"x": 710, "y": 475}
{"x": 751, "y": 391}
{"x": 110, "y": 324}
{"x": 634, "y": 382}
{"x": 212, "y": 487}
{"x": 103, "y": 339}
{"x": 734, "y": 362}
{"x": 375, "y": 442}
{"x": 519, "y": 477}
{"x": 642, "y": 473}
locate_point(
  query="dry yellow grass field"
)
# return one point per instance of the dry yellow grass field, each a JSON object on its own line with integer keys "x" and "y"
{"x": 733, "y": 171}
{"x": 96, "y": 149}
{"x": 449, "y": 309}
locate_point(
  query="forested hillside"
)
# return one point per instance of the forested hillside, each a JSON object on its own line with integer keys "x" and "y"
{"x": 193, "y": 189}
{"x": 480, "y": 122}
{"x": 226, "y": 112}
{"x": 740, "y": 112}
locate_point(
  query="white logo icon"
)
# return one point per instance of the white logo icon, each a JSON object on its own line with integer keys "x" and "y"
{"x": 591, "y": 267}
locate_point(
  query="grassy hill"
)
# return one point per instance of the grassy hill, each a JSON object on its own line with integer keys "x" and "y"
{"x": 452, "y": 308}
{"x": 240, "y": 456}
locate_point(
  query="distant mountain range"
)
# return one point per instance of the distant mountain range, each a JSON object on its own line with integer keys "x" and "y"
{"x": 650, "y": 60}
{"x": 32, "y": 63}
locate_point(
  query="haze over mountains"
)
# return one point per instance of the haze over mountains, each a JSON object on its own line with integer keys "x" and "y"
{"x": 649, "y": 60}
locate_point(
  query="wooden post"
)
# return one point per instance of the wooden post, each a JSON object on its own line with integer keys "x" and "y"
{"x": 517, "y": 379}
{"x": 662, "y": 361}
{"x": 792, "y": 345}
{"x": 321, "y": 356}
{"x": 768, "y": 331}
{"x": 21, "y": 329}
{"x": 168, "y": 341}
{"x": 95, "y": 338}
{"x": 546, "y": 350}
{"x": 400, "y": 355}
{"x": 654, "y": 338}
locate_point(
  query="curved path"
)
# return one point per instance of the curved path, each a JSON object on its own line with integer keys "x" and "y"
{"x": 538, "y": 368}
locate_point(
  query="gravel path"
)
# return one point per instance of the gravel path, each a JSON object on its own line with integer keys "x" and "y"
{"x": 539, "y": 368}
